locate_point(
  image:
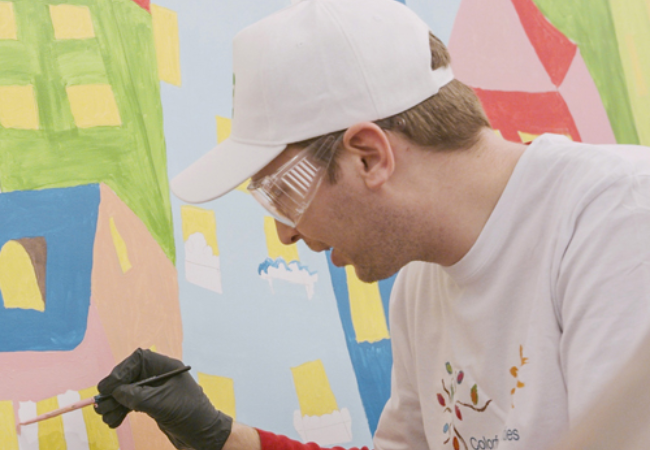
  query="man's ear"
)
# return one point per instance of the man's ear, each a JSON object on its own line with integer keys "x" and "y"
{"x": 372, "y": 151}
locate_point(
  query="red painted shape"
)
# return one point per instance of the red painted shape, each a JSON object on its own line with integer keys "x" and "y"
{"x": 554, "y": 50}
{"x": 528, "y": 112}
{"x": 145, "y": 4}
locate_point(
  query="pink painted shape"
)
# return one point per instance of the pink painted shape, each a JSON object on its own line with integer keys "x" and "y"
{"x": 139, "y": 308}
{"x": 35, "y": 376}
{"x": 490, "y": 49}
{"x": 581, "y": 96}
{"x": 39, "y": 375}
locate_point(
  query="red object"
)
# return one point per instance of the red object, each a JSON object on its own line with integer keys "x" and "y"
{"x": 460, "y": 377}
{"x": 554, "y": 50}
{"x": 458, "y": 413}
{"x": 270, "y": 441}
{"x": 528, "y": 112}
{"x": 145, "y": 4}
{"x": 441, "y": 400}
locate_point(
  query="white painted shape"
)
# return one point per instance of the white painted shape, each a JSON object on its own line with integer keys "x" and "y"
{"x": 202, "y": 267}
{"x": 328, "y": 429}
{"x": 293, "y": 273}
{"x": 28, "y": 437}
{"x": 74, "y": 426}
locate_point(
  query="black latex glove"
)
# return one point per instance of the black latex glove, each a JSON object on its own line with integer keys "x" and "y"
{"x": 177, "y": 404}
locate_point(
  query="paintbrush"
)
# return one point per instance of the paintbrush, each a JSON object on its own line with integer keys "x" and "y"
{"x": 94, "y": 400}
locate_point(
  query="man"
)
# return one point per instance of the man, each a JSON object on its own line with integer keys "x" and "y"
{"x": 527, "y": 268}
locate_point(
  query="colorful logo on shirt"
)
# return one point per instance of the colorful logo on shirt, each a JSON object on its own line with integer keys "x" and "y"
{"x": 449, "y": 400}
{"x": 514, "y": 371}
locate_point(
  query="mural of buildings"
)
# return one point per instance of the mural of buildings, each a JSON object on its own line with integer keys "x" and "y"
{"x": 103, "y": 101}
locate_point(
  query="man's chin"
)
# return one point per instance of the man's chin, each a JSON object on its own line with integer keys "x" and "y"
{"x": 370, "y": 275}
{"x": 337, "y": 258}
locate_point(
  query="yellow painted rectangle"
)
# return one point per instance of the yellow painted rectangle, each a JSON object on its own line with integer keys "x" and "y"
{"x": 224, "y": 127}
{"x": 315, "y": 395}
{"x": 244, "y": 186}
{"x": 8, "y": 437}
{"x": 635, "y": 63}
{"x": 93, "y": 105}
{"x": 275, "y": 247}
{"x": 165, "y": 32}
{"x": 18, "y": 280}
{"x": 199, "y": 220}
{"x": 100, "y": 437}
{"x": 8, "y": 28}
{"x": 71, "y": 22}
{"x": 366, "y": 308}
{"x": 527, "y": 137}
{"x": 50, "y": 431}
{"x": 120, "y": 247}
{"x": 632, "y": 24}
{"x": 18, "y": 108}
{"x": 220, "y": 391}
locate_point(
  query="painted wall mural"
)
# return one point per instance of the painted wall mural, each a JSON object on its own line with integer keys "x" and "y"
{"x": 103, "y": 101}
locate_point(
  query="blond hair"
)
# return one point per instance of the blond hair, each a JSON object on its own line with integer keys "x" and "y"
{"x": 449, "y": 120}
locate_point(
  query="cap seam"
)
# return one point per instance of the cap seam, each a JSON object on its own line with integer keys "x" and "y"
{"x": 356, "y": 55}
{"x": 264, "y": 66}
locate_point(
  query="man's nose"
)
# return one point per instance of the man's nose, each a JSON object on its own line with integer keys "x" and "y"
{"x": 288, "y": 235}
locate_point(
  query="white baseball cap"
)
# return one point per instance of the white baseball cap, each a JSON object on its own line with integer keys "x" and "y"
{"x": 313, "y": 68}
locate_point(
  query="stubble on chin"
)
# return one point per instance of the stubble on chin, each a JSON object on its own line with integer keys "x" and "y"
{"x": 369, "y": 274}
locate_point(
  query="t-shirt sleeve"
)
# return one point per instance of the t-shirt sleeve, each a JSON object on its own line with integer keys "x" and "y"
{"x": 271, "y": 441}
{"x": 603, "y": 287}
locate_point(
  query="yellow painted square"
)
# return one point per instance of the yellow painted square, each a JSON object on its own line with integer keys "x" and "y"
{"x": 199, "y": 220}
{"x": 366, "y": 309}
{"x": 93, "y": 105}
{"x": 220, "y": 391}
{"x": 71, "y": 22}
{"x": 165, "y": 32}
{"x": 18, "y": 107}
{"x": 527, "y": 137}
{"x": 313, "y": 389}
{"x": 7, "y": 21}
{"x": 244, "y": 187}
{"x": 18, "y": 280}
{"x": 224, "y": 127}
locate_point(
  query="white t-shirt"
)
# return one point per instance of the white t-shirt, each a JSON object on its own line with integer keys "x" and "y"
{"x": 510, "y": 345}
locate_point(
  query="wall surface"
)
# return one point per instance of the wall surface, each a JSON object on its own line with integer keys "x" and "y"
{"x": 102, "y": 102}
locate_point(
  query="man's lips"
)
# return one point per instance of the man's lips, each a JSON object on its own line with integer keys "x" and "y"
{"x": 336, "y": 256}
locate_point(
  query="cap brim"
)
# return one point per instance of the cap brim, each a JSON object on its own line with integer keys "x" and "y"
{"x": 221, "y": 170}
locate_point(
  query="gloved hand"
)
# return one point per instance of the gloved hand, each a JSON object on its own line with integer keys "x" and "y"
{"x": 177, "y": 404}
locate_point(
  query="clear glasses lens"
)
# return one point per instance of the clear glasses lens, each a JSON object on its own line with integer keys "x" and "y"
{"x": 287, "y": 193}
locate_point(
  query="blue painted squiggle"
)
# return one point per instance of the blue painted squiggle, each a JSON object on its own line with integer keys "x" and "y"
{"x": 268, "y": 263}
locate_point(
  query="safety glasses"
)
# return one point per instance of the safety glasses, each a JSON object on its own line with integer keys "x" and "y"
{"x": 287, "y": 193}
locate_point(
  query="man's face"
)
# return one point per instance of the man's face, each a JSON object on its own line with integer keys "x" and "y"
{"x": 347, "y": 218}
